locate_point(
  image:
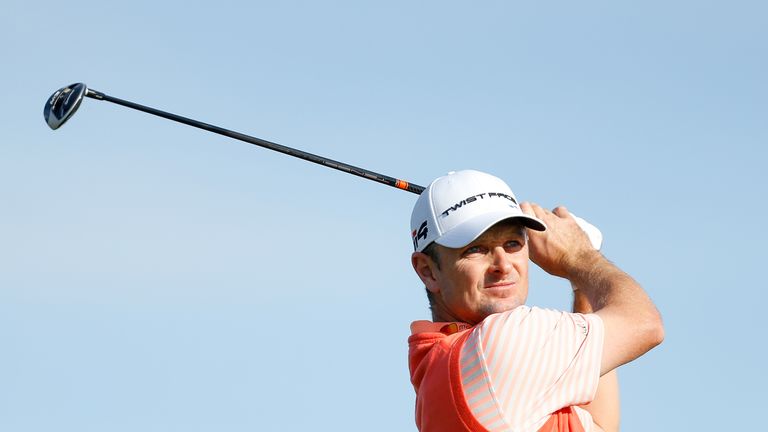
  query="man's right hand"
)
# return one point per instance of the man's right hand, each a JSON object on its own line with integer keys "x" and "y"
{"x": 564, "y": 247}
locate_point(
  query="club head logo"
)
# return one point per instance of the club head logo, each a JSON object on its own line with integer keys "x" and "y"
{"x": 419, "y": 234}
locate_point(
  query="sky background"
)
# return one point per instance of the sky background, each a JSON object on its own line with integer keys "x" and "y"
{"x": 156, "y": 277}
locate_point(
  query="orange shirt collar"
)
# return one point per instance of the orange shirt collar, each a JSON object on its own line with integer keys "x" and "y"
{"x": 424, "y": 326}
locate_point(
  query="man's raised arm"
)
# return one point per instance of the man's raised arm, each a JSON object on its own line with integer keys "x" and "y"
{"x": 632, "y": 323}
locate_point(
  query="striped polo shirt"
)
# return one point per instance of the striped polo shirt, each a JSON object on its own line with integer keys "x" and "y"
{"x": 514, "y": 369}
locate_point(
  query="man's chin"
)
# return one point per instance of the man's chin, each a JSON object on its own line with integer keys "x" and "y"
{"x": 496, "y": 307}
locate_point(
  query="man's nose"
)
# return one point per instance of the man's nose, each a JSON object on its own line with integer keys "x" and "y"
{"x": 501, "y": 261}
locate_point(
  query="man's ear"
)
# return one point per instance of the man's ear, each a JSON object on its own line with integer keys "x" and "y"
{"x": 426, "y": 269}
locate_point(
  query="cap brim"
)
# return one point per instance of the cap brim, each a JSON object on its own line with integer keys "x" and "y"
{"x": 468, "y": 231}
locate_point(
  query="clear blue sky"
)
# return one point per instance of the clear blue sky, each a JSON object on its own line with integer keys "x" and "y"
{"x": 155, "y": 277}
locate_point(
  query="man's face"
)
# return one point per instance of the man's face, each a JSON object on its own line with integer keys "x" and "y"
{"x": 487, "y": 276}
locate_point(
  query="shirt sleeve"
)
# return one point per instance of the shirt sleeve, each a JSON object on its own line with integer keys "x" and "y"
{"x": 520, "y": 366}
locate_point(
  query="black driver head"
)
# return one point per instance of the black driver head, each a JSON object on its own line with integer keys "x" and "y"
{"x": 63, "y": 104}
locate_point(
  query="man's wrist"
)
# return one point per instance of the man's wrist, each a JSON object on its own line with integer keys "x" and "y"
{"x": 579, "y": 269}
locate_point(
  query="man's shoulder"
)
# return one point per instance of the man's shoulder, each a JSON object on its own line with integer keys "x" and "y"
{"x": 519, "y": 313}
{"x": 526, "y": 316}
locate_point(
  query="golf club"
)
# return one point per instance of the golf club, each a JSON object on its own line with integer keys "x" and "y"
{"x": 61, "y": 106}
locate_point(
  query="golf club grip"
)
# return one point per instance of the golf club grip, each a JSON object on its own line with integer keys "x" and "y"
{"x": 330, "y": 163}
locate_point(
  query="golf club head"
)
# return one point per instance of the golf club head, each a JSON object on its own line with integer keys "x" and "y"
{"x": 63, "y": 104}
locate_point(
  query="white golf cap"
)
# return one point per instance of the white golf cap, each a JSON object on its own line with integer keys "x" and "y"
{"x": 457, "y": 208}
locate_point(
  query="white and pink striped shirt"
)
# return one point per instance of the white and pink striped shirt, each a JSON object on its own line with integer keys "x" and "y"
{"x": 520, "y": 366}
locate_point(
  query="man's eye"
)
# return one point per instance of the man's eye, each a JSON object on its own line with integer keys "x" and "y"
{"x": 473, "y": 250}
{"x": 513, "y": 244}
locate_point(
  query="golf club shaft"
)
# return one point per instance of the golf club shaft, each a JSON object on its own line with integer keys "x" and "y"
{"x": 330, "y": 163}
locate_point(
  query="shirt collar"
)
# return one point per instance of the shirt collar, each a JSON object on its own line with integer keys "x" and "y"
{"x": 448, "y": 328}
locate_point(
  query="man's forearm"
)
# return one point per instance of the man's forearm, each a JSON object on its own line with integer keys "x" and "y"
{"x": 597, "y": 282}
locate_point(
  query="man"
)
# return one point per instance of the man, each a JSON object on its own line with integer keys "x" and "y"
{"x": 487, "y": 362}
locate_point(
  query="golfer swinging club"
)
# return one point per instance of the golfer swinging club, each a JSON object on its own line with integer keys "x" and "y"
{"x": 487, "y": 362}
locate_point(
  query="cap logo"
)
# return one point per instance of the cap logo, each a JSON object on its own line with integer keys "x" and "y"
{"x": 477, "y": 197}
{"x": 419, "y": 234}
